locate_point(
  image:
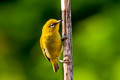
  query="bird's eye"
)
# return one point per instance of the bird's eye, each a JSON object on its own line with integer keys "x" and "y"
{"x": 52, "y": 25}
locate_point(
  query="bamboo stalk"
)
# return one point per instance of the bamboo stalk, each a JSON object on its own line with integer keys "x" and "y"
{"x": 67, "y": 43}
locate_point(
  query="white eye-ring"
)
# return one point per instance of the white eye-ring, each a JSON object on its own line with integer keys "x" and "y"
{"x": 52, "y": 25}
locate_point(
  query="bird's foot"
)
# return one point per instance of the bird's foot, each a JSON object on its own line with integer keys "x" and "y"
{"x": 61, "y": 61}
{"x": 64, "y": 37}
{"x": 65, "y": 61}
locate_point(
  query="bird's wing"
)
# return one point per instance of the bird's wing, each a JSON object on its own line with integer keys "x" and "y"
{"x": 44, "y": 50}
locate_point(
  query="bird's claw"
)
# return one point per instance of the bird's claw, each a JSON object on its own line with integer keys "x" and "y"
{"x": 64, "y": 37}
{"x": 64, "y": 61}
{"x": 61, "y": 61}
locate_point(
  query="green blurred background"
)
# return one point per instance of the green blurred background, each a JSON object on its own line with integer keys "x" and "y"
{"x": 96, "y": 39}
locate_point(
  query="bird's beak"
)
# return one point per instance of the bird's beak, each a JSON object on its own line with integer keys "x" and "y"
{"x": 59, "y": 21}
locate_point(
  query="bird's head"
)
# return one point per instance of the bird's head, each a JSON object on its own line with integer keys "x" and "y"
{"x": 52, "y": 25}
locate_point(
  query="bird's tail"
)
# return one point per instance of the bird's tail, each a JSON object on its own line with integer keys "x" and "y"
{"x": 55, "y": 66}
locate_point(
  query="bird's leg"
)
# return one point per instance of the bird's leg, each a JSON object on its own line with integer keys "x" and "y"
{"x": 61, "y": 61}
{"x": 64, "y": 37}
{"x": 65, "y": 60}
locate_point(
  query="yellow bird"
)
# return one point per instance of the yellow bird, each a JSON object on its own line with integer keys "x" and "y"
{"x": 50, "y": 42}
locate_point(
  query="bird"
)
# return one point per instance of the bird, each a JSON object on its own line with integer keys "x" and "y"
{"x": 51, "y": 42}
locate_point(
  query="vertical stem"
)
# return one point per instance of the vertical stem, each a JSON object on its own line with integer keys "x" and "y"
{"x": 67, "y": 44}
